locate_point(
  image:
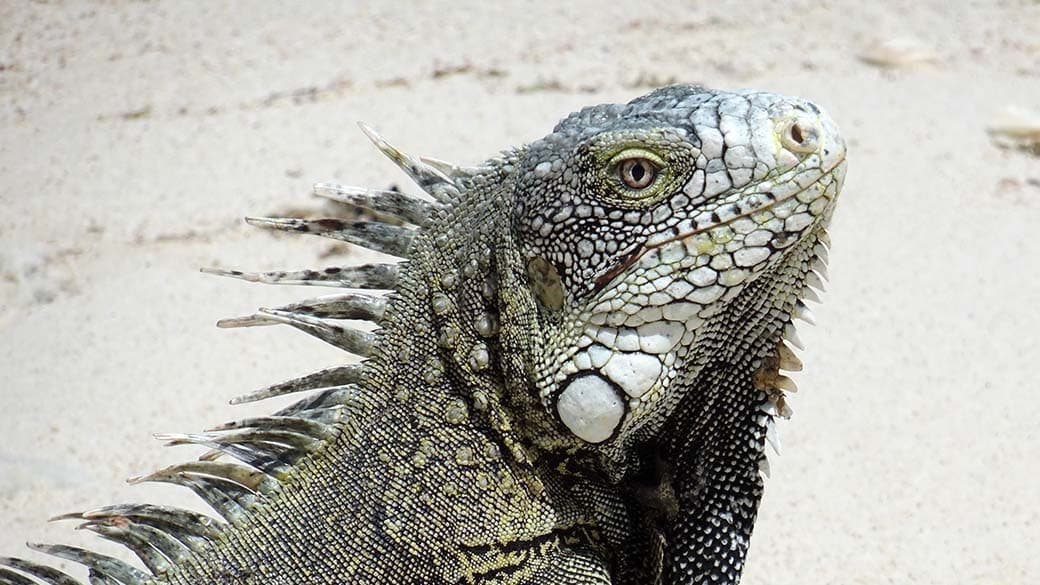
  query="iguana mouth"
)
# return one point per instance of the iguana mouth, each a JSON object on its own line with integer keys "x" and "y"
{"x": 632, "y": 256}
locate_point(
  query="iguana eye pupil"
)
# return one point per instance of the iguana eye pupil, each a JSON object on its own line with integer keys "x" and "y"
{"x": 637, "y": 173}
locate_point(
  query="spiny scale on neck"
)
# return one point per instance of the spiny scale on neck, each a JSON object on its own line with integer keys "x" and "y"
{"x": 287, "y": 452}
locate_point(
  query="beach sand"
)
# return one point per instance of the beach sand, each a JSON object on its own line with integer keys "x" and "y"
{"x": 134, "y": 136}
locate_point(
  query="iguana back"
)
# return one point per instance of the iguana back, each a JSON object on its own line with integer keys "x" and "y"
{"x": 574, "y": 379}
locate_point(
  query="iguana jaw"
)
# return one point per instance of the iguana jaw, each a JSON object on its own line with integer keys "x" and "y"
{"x": 683, "y": 346}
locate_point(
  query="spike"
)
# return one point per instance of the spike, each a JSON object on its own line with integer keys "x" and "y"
{"x": 820, "y": 267}
{"x": 184, "y": 525}
{"x": 773, "y": 435}
{"x": 788, "y": 360}
{"x": 324, "y": 401}
{"x": 355, "y": 306}
{"x": 763, "y": 467}
{"x": 247, "y": 477}
{"x": 208, "y": 471}
{"x": 824, "y": 238}
{"x": 8, "y": 577}
{"x": 809, "y": 294}
{"x": 334, "y": 376}
{"x": 431, "y": 180}
{"x": 352, "y": 340}
{"x": 109, "y": 567}
{"x": 365, "y": 276}
{"x": 165, "y": 543}
{"x": 785, "y": 383}
{"x": 813, "y": 280}
{"x": 272, "y": 458}
{"x": 457, "y": 172}
{"x": 803, "y": 312}
{"x": 821, "y": 252}
{"x": 226, "y": 499}
{"x": 254, "y": 320}
{"x": 445, "y": 167}
{"x": 136, "y": 541}
{"x": 791, "y": 335}
{"x": 42, "y": 572}
{"x": 313, "y": 429}
{"x": 374, "y": 235}
{"x": 251, "y": 438}
{"x": 768, "y": 407}
{"x": 391, "y": 203}
{"x": 99, "y": 579}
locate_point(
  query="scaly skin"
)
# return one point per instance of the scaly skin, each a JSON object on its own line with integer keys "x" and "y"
{"x": 576, "y": 374}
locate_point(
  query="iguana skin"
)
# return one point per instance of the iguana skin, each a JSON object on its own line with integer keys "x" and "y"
{"x": 484, "y": 440}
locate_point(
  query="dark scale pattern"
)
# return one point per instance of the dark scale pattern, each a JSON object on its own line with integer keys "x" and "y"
{"x": 716, "y": 439}
{"x": 573, "y": 382}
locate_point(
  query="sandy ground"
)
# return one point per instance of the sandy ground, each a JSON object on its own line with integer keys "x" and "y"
{"x": 133, "y": 136}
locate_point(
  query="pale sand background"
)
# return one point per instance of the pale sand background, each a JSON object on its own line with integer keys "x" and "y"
{"x": 133, "y": 136}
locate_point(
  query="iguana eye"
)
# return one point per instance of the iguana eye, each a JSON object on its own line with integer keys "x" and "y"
{"x": 637, "y": 173}
{"x": 632, "y": 177}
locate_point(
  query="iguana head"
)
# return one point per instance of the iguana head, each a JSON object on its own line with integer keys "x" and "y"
{"x": 640, "y": 223}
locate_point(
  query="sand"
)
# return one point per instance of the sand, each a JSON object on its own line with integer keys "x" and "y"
{"x": 133, "y": 136}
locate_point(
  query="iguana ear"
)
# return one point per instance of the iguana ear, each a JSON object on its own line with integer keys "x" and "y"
{"x": 545, "y": 283}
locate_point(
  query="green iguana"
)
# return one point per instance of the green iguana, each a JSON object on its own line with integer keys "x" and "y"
{"x": 575, "y": 375}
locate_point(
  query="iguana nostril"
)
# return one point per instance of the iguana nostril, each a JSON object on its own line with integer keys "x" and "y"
{"x": 801, "y": 135}
{"x": 796, "y": 133}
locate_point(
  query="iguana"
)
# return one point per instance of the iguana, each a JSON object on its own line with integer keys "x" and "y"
{"x": 575, "y": 375}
